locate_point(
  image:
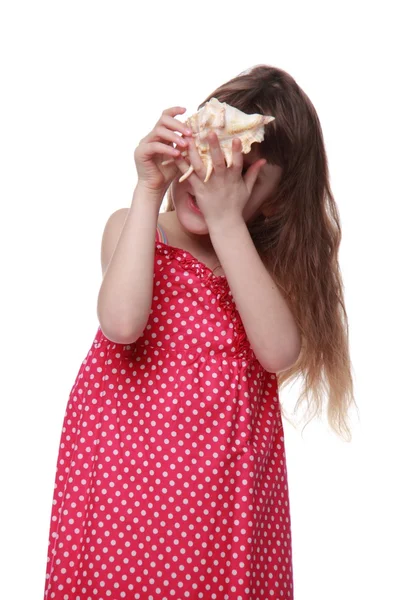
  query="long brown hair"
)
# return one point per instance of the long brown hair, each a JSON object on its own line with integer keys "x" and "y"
{"x": 298, "y": 237}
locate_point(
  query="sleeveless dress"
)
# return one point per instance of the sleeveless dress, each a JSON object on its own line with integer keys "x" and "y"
{"x": 171, "y": 478}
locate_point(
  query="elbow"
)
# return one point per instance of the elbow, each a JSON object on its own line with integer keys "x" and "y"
{"x": 117, "y": 332}
{"x": 117, "y": 328}
{"x": 284, "y": 361}
{"x": 119, "y": 337}
{"x": 277, "y": 366}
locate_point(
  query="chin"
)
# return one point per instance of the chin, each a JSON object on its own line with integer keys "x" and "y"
{"x": 189, "y": 219}
{"x": 192, "y": 224}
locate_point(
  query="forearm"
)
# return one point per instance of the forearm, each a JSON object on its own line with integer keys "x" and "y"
{"x": 269, "y": 324}
{"x": 125, "y": 295}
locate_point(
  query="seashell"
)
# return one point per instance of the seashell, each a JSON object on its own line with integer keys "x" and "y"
{"x": 227, "y": 122}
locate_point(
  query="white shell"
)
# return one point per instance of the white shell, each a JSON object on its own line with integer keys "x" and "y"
{"x": 227, "y": 122}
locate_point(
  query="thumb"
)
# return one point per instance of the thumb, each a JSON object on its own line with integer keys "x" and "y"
{"x": 252, "y": 172}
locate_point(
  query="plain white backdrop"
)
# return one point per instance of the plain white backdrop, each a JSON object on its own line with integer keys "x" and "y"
{"x": 82, "y": 83}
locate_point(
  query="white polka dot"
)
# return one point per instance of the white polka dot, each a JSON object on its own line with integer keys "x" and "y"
{"x": 171, "y": 476}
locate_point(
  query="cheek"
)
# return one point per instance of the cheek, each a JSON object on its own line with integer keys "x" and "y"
{"x": 177, "y": 190}
{"x": 256, "y": 197}
{"x": 254, "y": 203}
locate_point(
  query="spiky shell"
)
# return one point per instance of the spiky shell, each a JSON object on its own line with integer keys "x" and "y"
{"x": 227, "y": 122}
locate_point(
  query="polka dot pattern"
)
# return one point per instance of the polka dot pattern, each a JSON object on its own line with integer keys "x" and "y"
{"x": 171, "y": 477}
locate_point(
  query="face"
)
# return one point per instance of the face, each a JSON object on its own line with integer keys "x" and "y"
{"x": 264, "y": 187}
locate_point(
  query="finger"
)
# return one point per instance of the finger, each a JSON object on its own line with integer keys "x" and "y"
{"x": 185, "y": 168}
{"x": 162, "y": 133}
{"x": 181, "y": 155}
{"x": 237, "y": 155}
{"x": 195, "y": 159}
{"x": 171, "y": 160}
{"x": 174, "y": 110}
{"x": 217, "y": 156}
{"x": 158, "y": 148}
{"x": 182, "y": 163}
{"x": 252, "y": 172}
{"x": 171, "y": 123}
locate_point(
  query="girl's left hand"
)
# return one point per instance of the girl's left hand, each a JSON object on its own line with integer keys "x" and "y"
{"x": 226, "y": 193}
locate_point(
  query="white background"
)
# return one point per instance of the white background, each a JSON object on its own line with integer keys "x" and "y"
{"x": 82, "y": 82}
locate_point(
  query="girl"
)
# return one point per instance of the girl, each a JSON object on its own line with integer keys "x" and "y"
{"x": 171, "y": 477}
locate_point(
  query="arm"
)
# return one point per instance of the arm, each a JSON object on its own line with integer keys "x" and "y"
{"x": 125, "y": 295}
{"x": 269, "y": 324}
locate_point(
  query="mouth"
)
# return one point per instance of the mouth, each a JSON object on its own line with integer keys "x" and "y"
{"x": 193, "y": 203}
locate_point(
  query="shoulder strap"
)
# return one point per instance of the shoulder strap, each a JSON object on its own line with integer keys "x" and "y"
{"x": 161, "y": 237}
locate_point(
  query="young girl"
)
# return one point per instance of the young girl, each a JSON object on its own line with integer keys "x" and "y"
{"x": 171, "y": 477}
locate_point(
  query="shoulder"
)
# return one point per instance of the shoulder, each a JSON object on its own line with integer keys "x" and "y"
{"x": 114, "y": 225}
{"x": 166, "y": 221}
{"x": 115, "y": 220}
{"x": 111, "y": 235}
{"x": 119, "y": 216}
{"x": 163, "y": 219}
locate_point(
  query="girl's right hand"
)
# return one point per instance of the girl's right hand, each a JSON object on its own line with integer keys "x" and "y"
{"x": 156, "y": 147}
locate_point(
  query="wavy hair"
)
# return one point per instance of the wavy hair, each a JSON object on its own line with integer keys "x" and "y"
{"x": 298, "y": 238}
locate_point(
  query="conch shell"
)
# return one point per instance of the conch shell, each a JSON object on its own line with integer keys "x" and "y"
{"x": 227, "y": 122}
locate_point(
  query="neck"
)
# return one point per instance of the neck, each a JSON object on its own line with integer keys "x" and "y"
{"x": 187, "y": 238}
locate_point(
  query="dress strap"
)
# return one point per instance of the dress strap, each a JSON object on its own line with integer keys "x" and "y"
{"x": 161, "y": 237}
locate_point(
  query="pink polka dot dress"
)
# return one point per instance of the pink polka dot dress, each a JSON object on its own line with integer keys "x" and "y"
{"x": 171, "y": 479}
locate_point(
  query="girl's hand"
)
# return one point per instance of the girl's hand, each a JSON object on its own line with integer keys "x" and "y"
{"x": 156, "y": 147}
{"x": 226, "y": 193}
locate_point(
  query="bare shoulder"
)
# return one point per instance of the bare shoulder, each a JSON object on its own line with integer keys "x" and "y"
{"x": 111, "y": 233}
{"x": 163, "y": 218}
{"x": 166, "y": 220}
